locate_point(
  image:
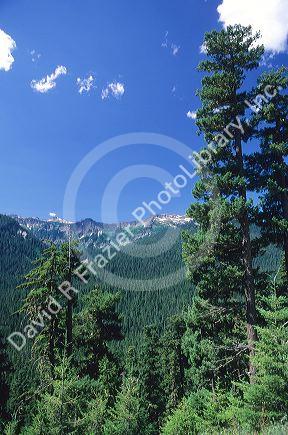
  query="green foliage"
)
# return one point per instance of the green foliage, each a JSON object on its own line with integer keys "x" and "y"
{"x": 268, "y": 167}
{"x": 5, "y": 369}
{"x": 41, "y": 284}
{"x": 225, "y": 280}
{"x": 129, "y": 416}
{"x": 99, "y": 317}
{"x": 214, "y": 344}
{"x": 201, "y": 412}
{"x": 266, "y": 400}
{"x": 150, "y": 375}
{"x": 18, "y": 250}
{"x": 70, "y": 405}
{"x": 138, "y": 304}
{"x": 173, "y": 363}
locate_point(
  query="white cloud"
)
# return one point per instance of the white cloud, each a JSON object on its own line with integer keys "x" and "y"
{"x": 105, "y": 93}
{"x": 115, "y": 89}
{"x": 170, "y": 45}
{"x": 268, "y": 16}
{"x": 52, "y": 214}
{"x": 85, "y": 85}
{"x": 34, "y": 55}
{"x": 49, "y": 82}
{"x": 191, "y": 114}
{"x": 7, "y": 45}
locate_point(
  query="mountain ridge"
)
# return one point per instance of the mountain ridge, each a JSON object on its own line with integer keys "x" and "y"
{"x": 89, "y": 231}
{"x": 158, "y": 217}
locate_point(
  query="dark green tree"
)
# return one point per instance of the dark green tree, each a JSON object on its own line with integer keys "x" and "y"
{"x": 5, "y": 370}
{"x": 96, "y": 325}
{"x": 41, "y": 284}
{"x": 151, "y": 375}
{"x": 70, "y": 258}
{"x": 269, "y": 169}
{"x": 266, "y": 400}
{"x": 173, "y": 362}
{"x": 227, "y": 274}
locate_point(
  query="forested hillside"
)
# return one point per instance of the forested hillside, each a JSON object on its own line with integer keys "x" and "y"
{"x": 18, "y": 250}
{"x": 139, "y": 307}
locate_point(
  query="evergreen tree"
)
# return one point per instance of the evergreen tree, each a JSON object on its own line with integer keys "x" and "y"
{"x": 231, "y": 54}
{"x": 26, "y": 385}
{"x": 129, "y": 416}
{"x": 5, "y": 369}
{"x": 97, "y": 324}
{"x": 71, "y": 405}
{"x": 202, "y": 412}
{"x": 269, "y": 169}
{"x": 70, "y": 259}
{"x": 266, "y": 400}
{"x": 173, "y": 362}
{"x": 42, "y": 284}
{"x": 214, "y": 343}
{"x": 151, "y": 375}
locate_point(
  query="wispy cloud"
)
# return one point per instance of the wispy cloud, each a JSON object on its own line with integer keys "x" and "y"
{"x": 116, "y": 89}
{"x": 191, "y": 114}
{"x": 85, "y": 84}
{"x": 49, "y": 82}
{"x": 35, "y": 56}
{"x": 270, "y": 17}
{"x": 7, "y": 45}
{"x": 173, "y": 48}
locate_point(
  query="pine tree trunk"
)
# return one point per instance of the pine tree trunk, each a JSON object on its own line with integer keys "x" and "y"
{"x": 284, "y": 200}
{"x": 69, "y": 320}
{"x": 52, "y": 343}
{"x": 69, "y": 327}
{"x": 247, "y": 260}
{"x": 249, "y": 291}
{"x": 286, "y": 252}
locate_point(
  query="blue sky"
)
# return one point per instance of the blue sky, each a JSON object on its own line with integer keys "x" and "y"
{"x": 142, "y": 57}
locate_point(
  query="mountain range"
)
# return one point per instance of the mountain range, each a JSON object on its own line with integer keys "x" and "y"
{"x": 90, "y": 233}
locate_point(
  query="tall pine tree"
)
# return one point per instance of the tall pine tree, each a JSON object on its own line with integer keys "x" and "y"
{"x": 70, "y": 258}
{"x": 231, "y": 54}
{"x": 42, "y": 283}
{"x": 269, "y": 169}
